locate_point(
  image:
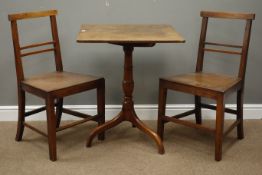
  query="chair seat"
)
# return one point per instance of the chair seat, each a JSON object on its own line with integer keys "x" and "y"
{"x": 208, "y": 81}
{"x": 57, "y": 80}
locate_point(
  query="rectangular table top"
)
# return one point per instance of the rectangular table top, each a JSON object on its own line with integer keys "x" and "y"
{"x": 128, "y": 33}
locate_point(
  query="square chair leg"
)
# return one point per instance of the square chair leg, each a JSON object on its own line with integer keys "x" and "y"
{"x": 51, "y": 127}
{"x": 219, "y": 128}
{"x": 21, "y": 115}
{"x": 161, "y": 110}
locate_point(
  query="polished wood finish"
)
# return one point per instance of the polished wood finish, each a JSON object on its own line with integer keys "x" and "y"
{"x": 210, "y": 85}
{"x": 37, "y": 45}
{"x": 53, "y": 86}
{"x": 35, "y": 111}
{"x": 57, "y": 80}
{"x": 75, "y": 113}
{"x": 224, "y": 45}
{"x": 76, "y": 123}
{"x": 222, "y": 51}
{"x": 181, "y": 115}
{"x": 35, "y": 129}
{"x": 135, "y": 34}
{"x": 228, "y": 15}
{"x": 187, "y": 123}
{"x": 128, "y": 36}
{"x": 213, "y": 107}
{"x": 209, "y": 81}
{"x": 36, "y": 52}
{"x": 128, "y": 112}
{"x": 30, "y": 15}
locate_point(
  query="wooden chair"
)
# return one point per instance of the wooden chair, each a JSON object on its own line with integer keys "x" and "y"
{"x": 210, "y": 85}
{"x": 52, "y": 87}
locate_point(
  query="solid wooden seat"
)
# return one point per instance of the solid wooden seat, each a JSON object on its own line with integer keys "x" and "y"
{"x": 52, "y": 87}
{"x": 54, "y": 81}
{"x": 206, "y": 81}
{"x": 210, "y": 85}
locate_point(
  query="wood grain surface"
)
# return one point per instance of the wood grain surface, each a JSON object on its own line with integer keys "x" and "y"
{"x": 137, "y": 33}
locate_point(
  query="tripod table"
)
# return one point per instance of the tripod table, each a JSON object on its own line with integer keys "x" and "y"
{"x": 128, "y": 36}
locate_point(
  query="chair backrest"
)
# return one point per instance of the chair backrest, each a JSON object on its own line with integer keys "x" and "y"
{"x": 19, "y": 51}
{"x": 243, "y": 47}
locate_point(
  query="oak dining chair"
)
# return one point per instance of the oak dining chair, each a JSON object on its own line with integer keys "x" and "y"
{"x": 214, "y": 86}
{"x": 51, "y": 86}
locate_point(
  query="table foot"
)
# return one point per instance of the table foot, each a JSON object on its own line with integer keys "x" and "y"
{"x": 110, "y": 124}
{"x": 140, "y": 125}
{"x": 131, "y": 117}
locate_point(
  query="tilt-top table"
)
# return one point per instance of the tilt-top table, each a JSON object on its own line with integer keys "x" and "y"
{"x": 128, "y": 36}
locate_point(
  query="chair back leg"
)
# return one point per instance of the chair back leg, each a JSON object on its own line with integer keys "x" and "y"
{"x": 198, "y": 110}
{"x": 21, "y": 115}
{"x": 161, "y": 110}
{"x": 240, "y": 130}
{"x": 59, "y": 109}
{"x": 101, "y": 108}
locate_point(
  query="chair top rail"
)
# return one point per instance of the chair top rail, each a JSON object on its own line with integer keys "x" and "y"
{"x": 228, "y": 15}
{"x": 28, "y": 15}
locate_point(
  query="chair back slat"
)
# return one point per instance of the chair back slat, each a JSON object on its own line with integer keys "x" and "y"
{"x": 18, "y": 50}
{"x": 248, "y": 17}
{"x": 36, "y": 52}
{"x": 224, "y": 45}
{"x": 223, "y": 51}
{"x": 37, "y": 45}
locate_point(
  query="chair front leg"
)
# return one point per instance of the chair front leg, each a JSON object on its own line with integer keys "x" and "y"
{"x": 220, "y": 111}
{"x": 59, "y": 109}
{"x": 198, "y": 110}
{"x": 21, "y": 115}
{"x": 240, "y": 129}
{"x": 101, "y": 108}
{"x": 161, "y": 109}
{"x": 51, "y": 127}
